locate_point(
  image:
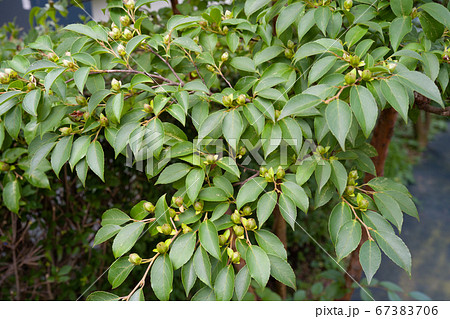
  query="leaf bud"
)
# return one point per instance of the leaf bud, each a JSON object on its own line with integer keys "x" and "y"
{"x": 277, "y": 114}
{"x": 242, "y": 151}
{"x": 166, "y": 39}
{"x": 4, "y": 78}
{"x": 129, "y": 4}
{"x": 52, "y": 57}
{"x": 127, "y": 34}
{"x": 162, "y": 248}
{"x": 230, "y": 252}
{"x": 121, "y": 50}
{"x": 149, "y": 207}
{"x": 225, "y": 29}
{"x": 210, "y": 68}
{"x": 31, "y": 86}
{"x": 391, "y": 67}
{"x": 148, "y": 108}
{"x": 210, "y": 159}
{"x": 228, "y": 14}
{"x": 135, "y": 259}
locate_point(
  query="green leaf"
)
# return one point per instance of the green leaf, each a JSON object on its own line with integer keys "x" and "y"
{"x": 161, "y": 277}
{"x": 80, "y": 77}
{"x": 41, "y": 65}
{"x": 213, "y": 194}
{"x": 432, "y": 28}
{"x": 138, "y": 211}
{"x": 211, "y": 122}
{"x": 282, "y": 271}
{"x": 102, "y": 296}
{"x": 270, "y": 243}
{"x": 116, "y": 106}
{"x": 51, "y": 78}
{"x": 228, "y": 164}
{"x": 402, "y": 7}
{"x": 243, "y": 64}
{"x": 162, "y": 211}
{"x": 271, "y": 138}
{"x": 87, "y": 30}
{"x": 320, "y": 68}
{"x": 430, "y": 65}
{"x": 306, "y": 25}
{"x": 114, "y": 216}
{"x": 305, "y": 170}
{"x": 267, "y": 54}
{"x": 232, "y": 128}
{"x": 338, "y": 176}
{"x": 173, "y": 173}
{"x": 322, "y": 173}
{"x": 438, "y": 12}
{"x": 288, "y": 16}
{"x": 194, "y": 183}
{"x": 224, "y": 184}
{"x": 340, "y": 214}
{"x": 348, "y": 238}
{"x": 182, "y": 249}
{"x": 296, "y": 194}
{"x": 79, "y": 150}
{"x": 207, "y": 233}
{"x": 202, "y": 266}
{"x": 322, "y": 16}
{"x": 400, "y": 27}
{"x": 251, "y": 6}
{"x": 370, "y": 259}
{"x": 394, "y": 248}
{"x": 242, "y": 282}
{"x": 96, "y": 159}
{"x": 133, "y": 43}
{"x": 397, "y": 96}
{"x": 250, "y": 191}
{"x": 126, "y": 238}
{"x": 422, "y": 84}
{"x": 389, "y": 208}
{"x": 266, "y": 205}
{"x": 31, "y": 101}
{"x": 11, "y": 196}
{"x": 364, "y": 107}
{"x": 292, "y": 133}
{"x": 354, "y": 35}
{"x": 188, "y": 276}
{"x": 232, "y": 41}
{"x": 138, "y": 295}
{"x": 61, "y": 153}
{"x": 309, "y": 49}
{"x": 219, "y": 211}
{"x": 119, "y": 271}
{"x": 258, "y": 264}
{"x": 224, "y": 284}
{"x": 96, "y": 98}
{"x": 204, "y": 294}
{"x": 339, "y": 119}
{"x": 287, "y": 209}
{"x": 105, "y": 233}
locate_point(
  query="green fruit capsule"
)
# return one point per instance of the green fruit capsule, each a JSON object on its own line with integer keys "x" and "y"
{"x": 162, "y": 247}
{"x": 81, "y": 100}
{"x": 246, "y": 211}
{"x": 236, "y": 257}
{"x": 222, "y": 240}
{"x": 227, "y": 100}
{"x": 148, "y": 108}
{"x": 125, "y": 20}
{"x": 262, "y": 171}
{"x": 350, "y": 190}
{"x": 241, "y": 99}
{"x": 288, "y": 53}
{"x": 172, "y": 213}
{"x": 4, "y": 78}
{"x": 348, "y": 4}
{"x": 166, "y": 229}
{"x": 4, "y": 167}
{"x": 65, "y": 131}
{"x": 210, "y": 159}
{"x": 178, "y": 201}
{"x": 280, "y": 172}
{"x": 236, "y": 217}
{"x": 251, "y": 224}
{"x": 238, "y": 230}
{"x": 103, "y": 120}
{"x": 198, "y": 206}
{"x": 116, "y": 85}
{"x": 353, "y": 174}
{"x": 290, "y": 44}
{"x": 149, "y": 207}
{"x": 363, "y": 204}
{"x": 350, "y": 78}
{"x": 135, "y": 259}
{"x": 224, "y": 57}
{"x": 366, "y": 75}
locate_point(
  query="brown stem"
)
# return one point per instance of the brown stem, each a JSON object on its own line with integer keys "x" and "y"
{"x": 381, "y": 139}
{"x": 279, "y": 228}
{"x": 166, "y": 63}
{"x": 423, "y": 103}
{"x": 13, "y": 247}
{"x": 174, "y": 4}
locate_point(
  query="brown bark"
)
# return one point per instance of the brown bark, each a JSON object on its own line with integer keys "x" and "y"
{"x": 174, "y": 4}
{"x": 381, "y": 139}
{"x": 279, "y": 228}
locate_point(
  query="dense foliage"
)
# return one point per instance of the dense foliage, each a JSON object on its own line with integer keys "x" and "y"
{"x": 247, "y": 114}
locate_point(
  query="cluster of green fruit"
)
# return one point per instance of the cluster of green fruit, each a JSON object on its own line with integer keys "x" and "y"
{"x": 269, "y": 174}
{"x": 363, "y": 203}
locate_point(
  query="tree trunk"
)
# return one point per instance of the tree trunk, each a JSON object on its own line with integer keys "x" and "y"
{"x": 174, "y": 4}
{"x": 279, "y": 228}
{"x": 381, "y": 139}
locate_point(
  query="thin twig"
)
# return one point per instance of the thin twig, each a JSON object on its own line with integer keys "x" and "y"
{"x": 166, "y": 63}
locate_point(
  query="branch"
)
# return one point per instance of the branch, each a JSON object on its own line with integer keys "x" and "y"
{"x": 423, "y": 103}
{"x": 166, "y": 63}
